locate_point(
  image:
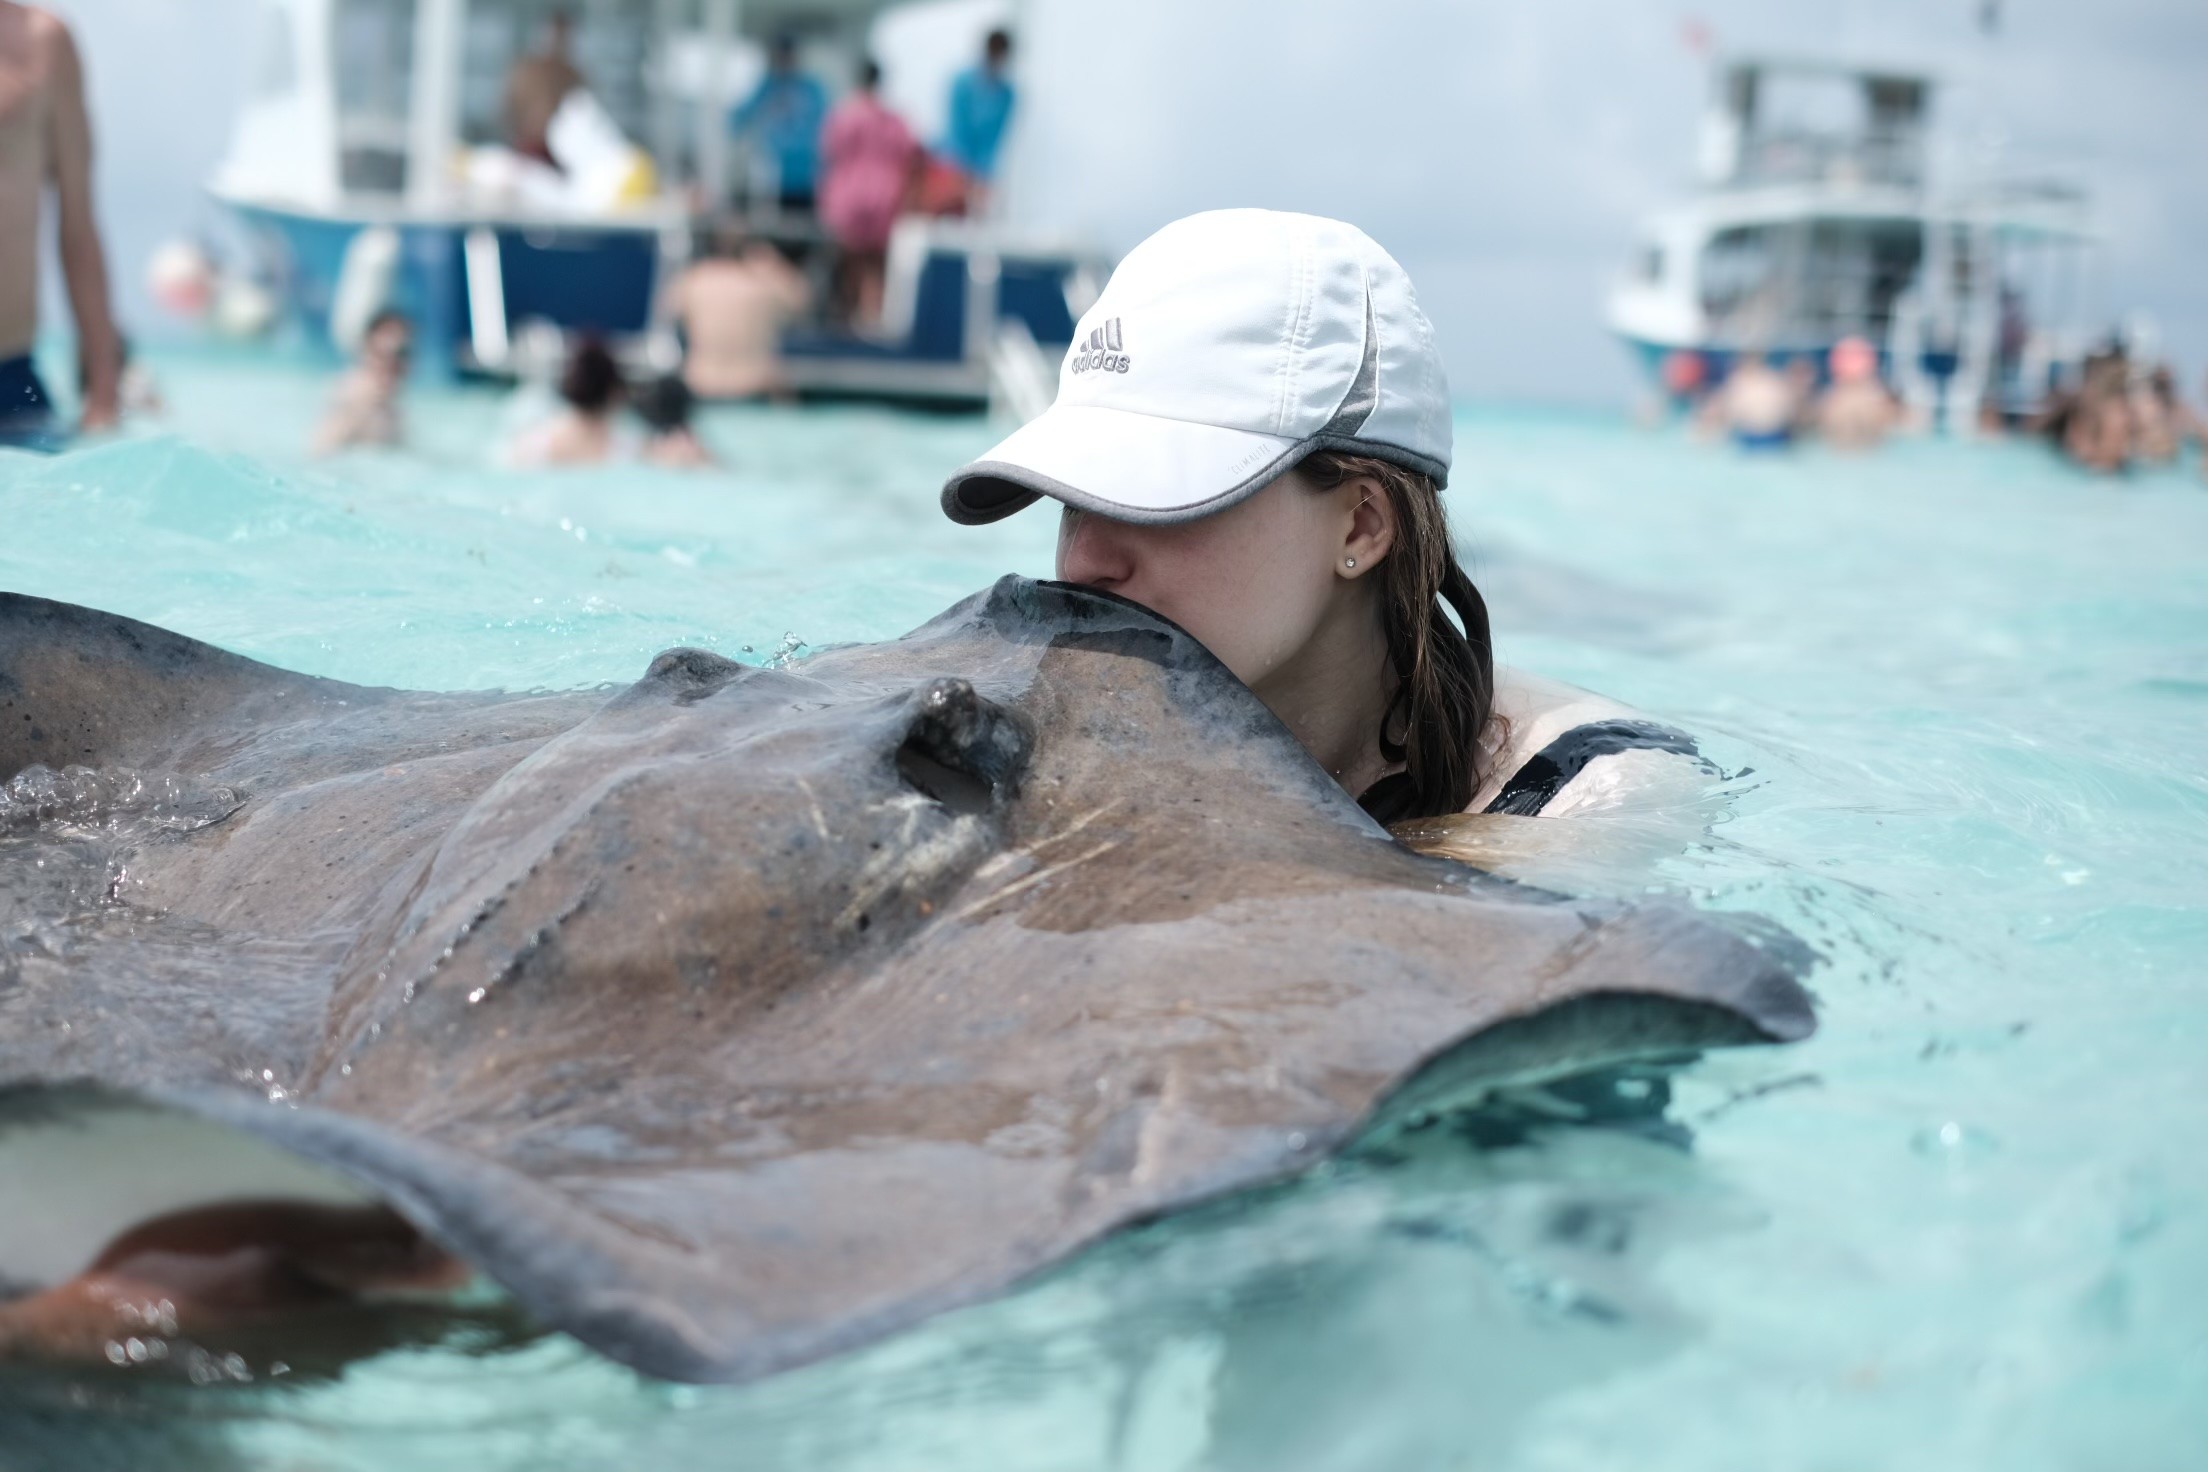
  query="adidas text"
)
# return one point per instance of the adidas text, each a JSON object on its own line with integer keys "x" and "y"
{"x": 1101, "y": 352}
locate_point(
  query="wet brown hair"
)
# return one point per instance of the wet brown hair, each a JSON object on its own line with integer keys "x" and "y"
{"x": 1445, "y": 671}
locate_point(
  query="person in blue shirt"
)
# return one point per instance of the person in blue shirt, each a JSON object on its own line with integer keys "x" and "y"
{"x": 981, "y": 105}
{"x": 787, "y": 108}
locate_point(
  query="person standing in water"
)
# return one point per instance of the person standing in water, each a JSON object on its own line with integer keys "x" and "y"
{"x": 1858, "y": 411}
{"x": 365, "y": 409}
{"x": 536, "y": 86}
{"x": 46, "y": 135}
{"x": 732, "y": 306}
{"x": 587, "y": 430}
{"x": 1250, "y": 438}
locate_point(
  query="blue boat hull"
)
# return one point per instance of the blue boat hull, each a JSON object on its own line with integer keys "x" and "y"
{"x": 582, "y": 279}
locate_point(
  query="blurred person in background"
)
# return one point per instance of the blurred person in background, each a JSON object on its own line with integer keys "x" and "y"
{"x": 2159, "y": 418}
{"x": 669, "y": 442}
{"x": 46, "y": 135}
{"x": 980, "y": 110}
{"x": 1756, "y": 405}
{"x": 1856, "y": 411}
{"x": 786, "y": 110}
{"x": 731, "y": 306}
{"x": 868, "y": 160}
{"x": 2092, "y": 424}
{"x": 365, "y": 409}
{"x": 587, "y": 430}
{"x": 137, "y": 392}
{"x": 536, "y": 85}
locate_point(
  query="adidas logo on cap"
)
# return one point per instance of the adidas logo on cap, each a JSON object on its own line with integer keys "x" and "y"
{"x": 1103, "y": 352}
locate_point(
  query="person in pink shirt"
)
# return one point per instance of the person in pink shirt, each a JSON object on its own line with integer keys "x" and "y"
{"x": 868, "y": 156}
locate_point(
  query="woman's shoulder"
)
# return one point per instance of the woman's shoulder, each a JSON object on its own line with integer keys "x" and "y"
{"x": 1555, "y": 748}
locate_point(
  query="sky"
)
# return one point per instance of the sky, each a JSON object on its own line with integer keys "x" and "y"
{"x": 1502, "y": 151}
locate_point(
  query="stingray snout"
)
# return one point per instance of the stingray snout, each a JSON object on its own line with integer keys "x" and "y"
{"x": 962, "y": 749}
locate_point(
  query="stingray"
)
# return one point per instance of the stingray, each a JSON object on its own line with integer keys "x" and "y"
{"x": 745, "y": 1015}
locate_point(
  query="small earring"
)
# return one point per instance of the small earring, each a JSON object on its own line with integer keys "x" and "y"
{"x": 1349, "y": 562}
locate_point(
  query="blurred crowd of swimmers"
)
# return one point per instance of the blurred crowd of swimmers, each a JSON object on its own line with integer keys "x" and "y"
{"x": 729, "y": 307}
{"x": 2112, "y": 412}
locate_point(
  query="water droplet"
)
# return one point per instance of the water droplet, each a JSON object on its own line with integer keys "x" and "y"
{"x": 477, "y": 995}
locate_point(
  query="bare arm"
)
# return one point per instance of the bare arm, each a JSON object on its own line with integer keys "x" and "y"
{"x": 83, "y": 262}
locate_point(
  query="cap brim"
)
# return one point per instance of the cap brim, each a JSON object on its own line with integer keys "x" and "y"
{"x": 1120, "y": 464}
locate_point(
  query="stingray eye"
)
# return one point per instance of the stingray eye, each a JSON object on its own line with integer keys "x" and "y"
{"x": 961, "y": 750}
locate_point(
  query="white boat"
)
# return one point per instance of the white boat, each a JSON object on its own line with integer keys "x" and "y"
{"x": 348, "y": 168}
{"x": 1830, "y": 208}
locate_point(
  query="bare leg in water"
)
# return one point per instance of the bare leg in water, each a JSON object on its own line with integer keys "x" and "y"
{"x": 199, "y": 1272}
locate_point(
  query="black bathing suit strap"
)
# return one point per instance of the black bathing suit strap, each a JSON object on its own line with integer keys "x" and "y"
{"x": 1548, "y": 770}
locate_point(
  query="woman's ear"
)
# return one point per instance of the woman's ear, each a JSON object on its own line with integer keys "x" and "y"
{"x": 1371, "y": 532}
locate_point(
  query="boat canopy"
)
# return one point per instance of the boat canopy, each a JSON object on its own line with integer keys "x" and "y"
{"x": 355, "y": 100}
{"x": 1774, "y": 121}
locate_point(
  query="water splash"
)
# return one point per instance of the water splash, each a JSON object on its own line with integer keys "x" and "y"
{"x": 117, "y": 801}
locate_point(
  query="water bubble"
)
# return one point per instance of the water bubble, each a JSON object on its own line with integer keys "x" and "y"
{"x": 785, "y": 653}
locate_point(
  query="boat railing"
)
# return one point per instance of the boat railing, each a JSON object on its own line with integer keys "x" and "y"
{"x": 1894, "y": 159}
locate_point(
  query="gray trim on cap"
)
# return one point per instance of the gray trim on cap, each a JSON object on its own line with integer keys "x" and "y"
{"x": 1364, "y": 390}
{"x": 1020, "y": 486}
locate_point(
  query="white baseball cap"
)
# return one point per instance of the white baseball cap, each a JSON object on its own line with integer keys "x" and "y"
{"x": 1225, "y": 348}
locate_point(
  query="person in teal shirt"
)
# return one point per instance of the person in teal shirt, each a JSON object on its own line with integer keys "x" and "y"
{"x": 787, "y": 108}
{"x": 981, "y": 105}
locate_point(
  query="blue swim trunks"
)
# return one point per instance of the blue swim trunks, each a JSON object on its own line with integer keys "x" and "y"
{"x": 26, "y": 414}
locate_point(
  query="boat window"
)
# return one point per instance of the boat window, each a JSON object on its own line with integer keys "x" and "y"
{"x": 608, "y": 50}
{"x": 1736, "y": 276}
{"x": 374, "y": 51}
{"x": 1830, "y": 126}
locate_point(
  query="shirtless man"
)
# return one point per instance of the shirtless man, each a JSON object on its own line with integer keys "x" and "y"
{"x": 536, "y": 87}
{"x": 1857, "y": 412}
{"x": 732, "y": 307}
{"x": 46, "y": 135}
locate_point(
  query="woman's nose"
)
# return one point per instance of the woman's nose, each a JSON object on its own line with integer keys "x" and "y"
{"x": 1092, "y": 551}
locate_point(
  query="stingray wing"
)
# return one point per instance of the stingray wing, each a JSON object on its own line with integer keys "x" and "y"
{"x": 884, "y": 1146}
{"x": 213, "y": 835}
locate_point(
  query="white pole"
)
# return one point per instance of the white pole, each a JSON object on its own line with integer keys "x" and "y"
{"x": 433, "y": 113}
{"x": 666, "y": 102}
{"x": 714, "y": 102}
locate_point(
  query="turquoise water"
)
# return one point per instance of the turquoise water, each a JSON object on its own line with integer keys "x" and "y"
{"x": 1964, "y": 1227}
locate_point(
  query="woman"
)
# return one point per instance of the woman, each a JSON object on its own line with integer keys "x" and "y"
{"x": 588, "y": 431}
{"x": 868, "y": 156}
{"x": 1250, "y": 437}
{"x": 670, "y": 443}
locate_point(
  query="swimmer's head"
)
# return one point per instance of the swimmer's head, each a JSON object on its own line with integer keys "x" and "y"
{"x": 664, "y": 404}
{"x": 1250, "y": 437}
{"x": 592, "y": 380}
{"x": 1853, "y": 360}
{"x": 387, "y": 346}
